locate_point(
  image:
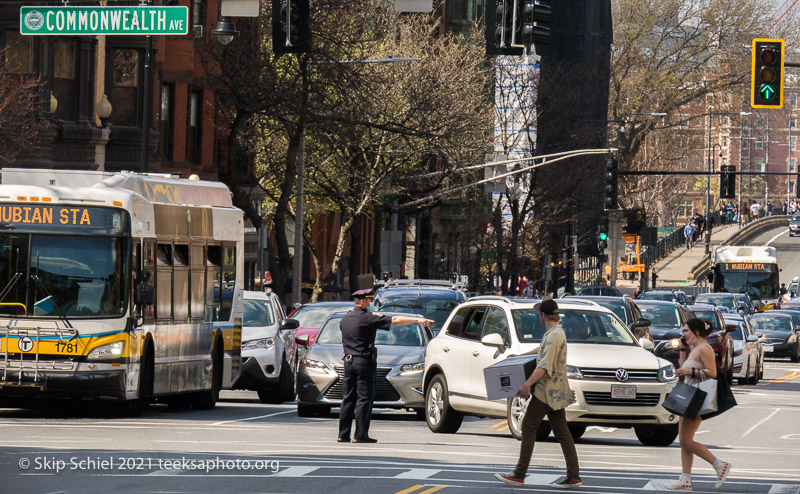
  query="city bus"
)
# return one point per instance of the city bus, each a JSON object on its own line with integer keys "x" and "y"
{"x": 747, "y": 269}
{"x": 120, "y": 287}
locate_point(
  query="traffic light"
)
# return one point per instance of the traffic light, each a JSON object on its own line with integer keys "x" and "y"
{"x": 602, "y": 236}
{"x": 610, "y": 197}
{"x": 727, "y": 182}
{"x": 291, "y": 32}
{"x": 533, "y": 22}
{"x": 499, "y": 28}
{"x": 766, "y": 79}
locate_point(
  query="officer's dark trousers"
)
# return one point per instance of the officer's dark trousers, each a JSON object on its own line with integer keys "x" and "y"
{"x": 358, "y": 390}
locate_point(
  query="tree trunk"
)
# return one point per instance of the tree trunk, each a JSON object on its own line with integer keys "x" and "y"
{"x": 355, "y": 253}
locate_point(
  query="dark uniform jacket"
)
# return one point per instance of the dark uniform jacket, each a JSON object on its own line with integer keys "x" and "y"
{"x": 358, "y": 331}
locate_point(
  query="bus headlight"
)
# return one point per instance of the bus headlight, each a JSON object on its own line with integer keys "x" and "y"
{"x": 109, "y": 351}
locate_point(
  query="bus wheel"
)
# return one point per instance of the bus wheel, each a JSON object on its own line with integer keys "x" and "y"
{"x": 138, "y": 406}
{"x": 207, "y": 400}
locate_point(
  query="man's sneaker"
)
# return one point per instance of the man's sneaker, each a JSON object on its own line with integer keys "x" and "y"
{"x": 722, "y": 468}
{"x": 509, "y": 479}
{"x": 565, "y": 483}
{"x": 682, "y": 484}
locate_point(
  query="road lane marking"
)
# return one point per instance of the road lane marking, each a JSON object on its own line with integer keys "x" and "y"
{"x": 253, "y": 418}
{"x": 295, "y": 471}
{"x": 499, "y": 424}
{"x": 784, "y": 489}
{"x": 432, "y": 489}
{"x": 757, "y": 424}
{"x": 418, "y": 473}
{"x": 776, "y": 236}
{"x": 410, "y": 489}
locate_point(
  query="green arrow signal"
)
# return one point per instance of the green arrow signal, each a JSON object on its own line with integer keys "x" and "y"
{"x": 767, "y": 92}
{"x": 603, "y": 236}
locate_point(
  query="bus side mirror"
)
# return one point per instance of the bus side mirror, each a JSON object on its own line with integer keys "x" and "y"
{"x": 710, "y": 277}
{"x": 143, "y": 291}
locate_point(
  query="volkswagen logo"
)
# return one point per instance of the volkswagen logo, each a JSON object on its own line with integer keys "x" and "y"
{"x": 622, "y": 375}
{"x": 25, "y": 344}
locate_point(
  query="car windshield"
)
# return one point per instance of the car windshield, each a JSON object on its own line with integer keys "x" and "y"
{"x": 796, "y": 217}
{"x": 736, "y": 334}
{"x": 313, "y": 316}
{"x": 709, "y": 317}
{"x": 720, "y": 300}
{"x": 742, "y": 298}
{"x": 436, "y": 308}
{"x": 617, "y": 308}
{"x": 406, "y": 335}
{"x": 772, "y": 323}
{"x": 661, "y": 316}
{"x": 258, "y": 313}
{"x": 665, "y": 296}
{"x": 580, "y": 326}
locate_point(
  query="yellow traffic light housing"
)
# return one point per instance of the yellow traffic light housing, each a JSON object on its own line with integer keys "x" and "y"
{"x": 766, "y": 78}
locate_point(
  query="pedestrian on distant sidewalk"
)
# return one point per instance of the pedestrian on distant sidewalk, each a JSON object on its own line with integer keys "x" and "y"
{"x": 688, "y": 233}
{"x": 551, "y": 395}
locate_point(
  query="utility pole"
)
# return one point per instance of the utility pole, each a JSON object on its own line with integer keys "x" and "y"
{"x": 615, "y": 235}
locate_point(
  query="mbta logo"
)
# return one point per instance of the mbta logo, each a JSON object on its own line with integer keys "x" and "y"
{"x": 25, "y": 344}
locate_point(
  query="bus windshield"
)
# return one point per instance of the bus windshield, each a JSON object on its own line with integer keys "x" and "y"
{"x": 58, "y": 275}
{"x": 762, "y": 284}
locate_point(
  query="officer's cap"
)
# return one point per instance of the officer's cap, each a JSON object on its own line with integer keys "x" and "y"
{"x": 364, "y": 293}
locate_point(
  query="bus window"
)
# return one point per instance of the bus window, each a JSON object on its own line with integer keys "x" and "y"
{"x": 197, "y": 302}
{"x": 180, "y": 287}
{"x": 213, "y": 285}
{"x": 164, "y": 282}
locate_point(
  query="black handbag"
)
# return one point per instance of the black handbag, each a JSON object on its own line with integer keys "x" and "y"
{"x": 725, "y": 399}
{"x": 684, "y": 400}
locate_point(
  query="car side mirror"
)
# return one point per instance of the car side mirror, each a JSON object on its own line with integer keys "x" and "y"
{"x": 641, "y": 323}
{"x": 741, "y": 311}
{"x": 494, "y": 340}
{"x": 290, "y": 323}
{"x": 646, "y": 344}
{"x": 752, "y": 338}
{"x": 302, "y": 340}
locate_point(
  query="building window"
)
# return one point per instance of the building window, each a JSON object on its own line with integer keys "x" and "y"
{"x": 759, "y": 165}
{"x": 793, "y": 143}
{"x": 684, "y": 163}
{"x": 684, "y": 209}
{"x": 64, "y": 77}
{"x": 724, "y": 141}
{"x": 759, "y": 143}
{"x": 193, "y": 134}
{"x": 125, "y": 93}
{"x": 793, "y": 99}
{"x": 759, "y": 121}
{"x": 166, "y": 116}
{"x": 723, "y": 161}
{"x": 18, "y": 53}
{"x": 792, "y": 164}
{"x": 792, "y": 123}
{"x": 456, "y": 9}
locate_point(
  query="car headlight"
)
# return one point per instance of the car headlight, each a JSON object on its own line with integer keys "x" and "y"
{"x": 713, "y": 340}
{"x": 109, "y": 351}
{"x": 410, "y": 369}
{"x": 738, "y": 352}
{"x": 315, "y": 365}
{"x": 675, "y": 343}
{"x": 260, "y": 343}
{"x": 574, "y": 372}
{"x": 667, "y": 373}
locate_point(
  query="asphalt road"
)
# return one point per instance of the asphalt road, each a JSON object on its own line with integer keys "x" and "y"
{"x": 244, "y": 446}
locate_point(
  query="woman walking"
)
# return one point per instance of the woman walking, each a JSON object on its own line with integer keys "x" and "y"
{"x": 697, "y": 363}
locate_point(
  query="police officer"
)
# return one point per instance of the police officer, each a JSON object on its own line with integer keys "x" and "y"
{"x": 360, "y": 363}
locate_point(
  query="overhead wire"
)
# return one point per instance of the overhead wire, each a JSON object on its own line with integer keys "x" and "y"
{"x": 783, "y": 14}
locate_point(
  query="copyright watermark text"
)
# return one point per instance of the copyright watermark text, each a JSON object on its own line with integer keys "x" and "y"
{"x": 132, "y": 463}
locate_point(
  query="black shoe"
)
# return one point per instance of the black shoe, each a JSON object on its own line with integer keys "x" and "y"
{"x": 343, "y": 440}
{"x": 365, "y": 440}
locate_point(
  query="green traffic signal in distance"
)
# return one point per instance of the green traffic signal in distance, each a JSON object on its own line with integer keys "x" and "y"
{"x": 766, "y": 77}
{"x": 603, "y": 236}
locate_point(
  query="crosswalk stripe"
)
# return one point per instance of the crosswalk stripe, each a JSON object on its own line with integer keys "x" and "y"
{"x": 417, "y": 474}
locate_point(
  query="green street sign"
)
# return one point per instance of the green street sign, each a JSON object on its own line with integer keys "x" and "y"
{"x": 127, "y": 21}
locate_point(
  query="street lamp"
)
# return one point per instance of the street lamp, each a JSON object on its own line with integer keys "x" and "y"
{"x": 225, "y": 30}
{"x": 708, "y": 178}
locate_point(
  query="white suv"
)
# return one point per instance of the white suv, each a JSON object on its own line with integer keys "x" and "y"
{"x": 616, "y": 380}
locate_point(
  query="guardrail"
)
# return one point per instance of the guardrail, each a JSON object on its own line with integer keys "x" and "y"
{"x": 667, "y": 244}
{"x": 747, "y": 233}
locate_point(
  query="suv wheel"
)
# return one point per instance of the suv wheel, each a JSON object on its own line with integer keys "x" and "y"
{"x": 312, "y": 410}
{"x": 515, "y": 413}
{"x": 656, "y": 435}
{"x": 438, "y": 413}
{"x": 577, "y": 431}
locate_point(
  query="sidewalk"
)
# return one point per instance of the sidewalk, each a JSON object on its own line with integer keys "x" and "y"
{"x": 674, "y": 269}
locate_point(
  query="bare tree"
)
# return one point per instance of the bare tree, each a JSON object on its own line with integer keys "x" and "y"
{"x": 19, "y": 95}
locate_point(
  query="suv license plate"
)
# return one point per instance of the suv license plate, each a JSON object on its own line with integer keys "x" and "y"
{"x": 620, "y": 392}
{"x": 769, "y": 348}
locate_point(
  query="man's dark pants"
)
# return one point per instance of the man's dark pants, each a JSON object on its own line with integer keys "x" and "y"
{"x": 358, "y": 390}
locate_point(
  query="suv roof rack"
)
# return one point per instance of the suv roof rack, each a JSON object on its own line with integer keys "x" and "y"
{"x": 503, "y": 298}
{"x": 456, "y": 282}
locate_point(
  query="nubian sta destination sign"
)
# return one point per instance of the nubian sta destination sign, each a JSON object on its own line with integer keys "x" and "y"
{"x": 127, "y": 21}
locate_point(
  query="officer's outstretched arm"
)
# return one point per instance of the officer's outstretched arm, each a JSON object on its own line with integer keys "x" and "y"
{"x": 403, "y": 320}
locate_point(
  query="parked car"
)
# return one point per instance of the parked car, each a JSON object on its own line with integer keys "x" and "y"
{"x": 665, "y": 295}
{"x": 748, "y": 353}
{"x": 617, "y": 382}
{"x": 626, "y": 309}
{"x": 602, "y": 290}
{"x": 434, "y": 299}
{"x": 401, "y": 360}
{"x": 269, "y": 350}
{"x": 312, "y": 316}
{"x": 666, "y": 323}
{"x": 719, "y": 339}
{"x": 778, "y": 334}
{"x": 728, "y": 301}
